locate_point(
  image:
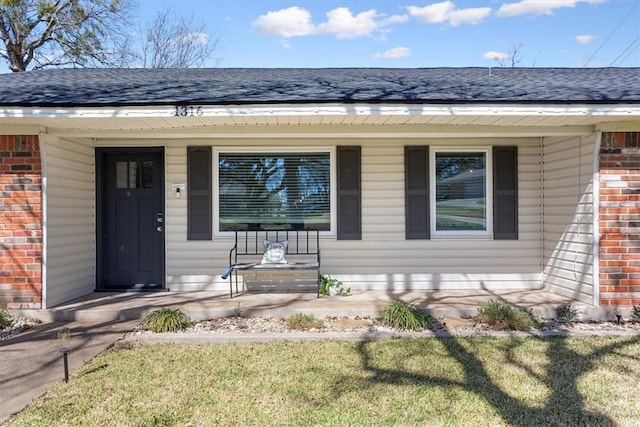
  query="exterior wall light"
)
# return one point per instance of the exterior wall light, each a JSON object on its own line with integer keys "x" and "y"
{"x": 178, "y": 189}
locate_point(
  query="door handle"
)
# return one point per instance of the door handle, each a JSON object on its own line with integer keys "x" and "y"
{"x": 159, "y": 229}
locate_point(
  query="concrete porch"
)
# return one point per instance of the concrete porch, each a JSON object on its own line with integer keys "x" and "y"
{"x": 200, "y": 305}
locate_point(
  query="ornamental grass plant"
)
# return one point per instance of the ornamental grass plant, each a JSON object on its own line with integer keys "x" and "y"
{"x": 304, "y": 322}
{"x": 167, "y": 320}
{"x": 405, "y": 316}
{"x": 502, "y": 316}
{"x": 566, "y": 313}
{"x": 5, "y": 319}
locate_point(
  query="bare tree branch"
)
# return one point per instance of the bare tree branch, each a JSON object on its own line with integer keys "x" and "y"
{"x": 514, "y": 56}
{"x": 53, "y": 33}
{"x": 176, "y": 42}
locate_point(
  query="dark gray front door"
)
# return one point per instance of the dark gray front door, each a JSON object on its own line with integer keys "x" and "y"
{"x": 132, "y": 220}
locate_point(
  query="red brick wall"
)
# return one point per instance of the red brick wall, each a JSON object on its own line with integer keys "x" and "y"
{"x": 620, "y": 219}
{"x": 20, "y": 222}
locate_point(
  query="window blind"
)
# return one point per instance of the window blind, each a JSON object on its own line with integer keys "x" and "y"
{"x": 267, "y": 190}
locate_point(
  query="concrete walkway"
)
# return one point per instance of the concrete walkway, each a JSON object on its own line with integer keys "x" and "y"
{"x": 31, "y": 362}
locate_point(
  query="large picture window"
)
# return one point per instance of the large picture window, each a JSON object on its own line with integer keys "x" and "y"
{"x": 259, "y": 190}
{"x": 461, "y": 192}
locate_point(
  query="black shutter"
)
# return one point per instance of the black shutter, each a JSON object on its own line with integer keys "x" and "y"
{"x": 505, "y": 193}
{"x": 199, "y": 203}
{"x": 349, "y": 193}
{"x": 416, "y": 176}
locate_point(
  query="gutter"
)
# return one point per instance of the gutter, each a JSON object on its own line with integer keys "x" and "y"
{"x": 596, "y": 220}
{"x": 179, "y": 110}
{"x": 225, "y": 102}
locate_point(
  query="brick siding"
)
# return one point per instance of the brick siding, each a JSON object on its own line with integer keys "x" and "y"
{"x": 620, "y": 219}
{"x": 20, "y": 222}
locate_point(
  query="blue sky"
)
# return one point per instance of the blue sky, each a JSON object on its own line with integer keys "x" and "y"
{"x": 415, "y": 33}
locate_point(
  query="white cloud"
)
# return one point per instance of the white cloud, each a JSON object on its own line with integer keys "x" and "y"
{"x": 296, "y": 22}
{"x": 585, "y": 39}
{"x": 538, "y": 7}
{"x": 394, "y": 19}
{"x": 290, "y": 22}
{"x": 395, "y": 53}
{"x": 495, "y": 56}
{"x": 446, "y": 12}
{"x": 345, "y": 25}
{"x": 469, "y": 16}
{"x": 385, "y": 24}
{"x": 436, "y": 13}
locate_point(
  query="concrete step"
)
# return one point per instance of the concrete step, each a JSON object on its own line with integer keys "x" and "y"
{"x": 110, "y": 306}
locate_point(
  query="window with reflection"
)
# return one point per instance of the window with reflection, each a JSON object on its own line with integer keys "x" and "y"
{"x": 460, "y": 190}
{"x": 134, "y": 174}
{"x": 289, "y": 190}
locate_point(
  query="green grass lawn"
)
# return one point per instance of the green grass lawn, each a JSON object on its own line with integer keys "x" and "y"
{"x": 410, "y": 382}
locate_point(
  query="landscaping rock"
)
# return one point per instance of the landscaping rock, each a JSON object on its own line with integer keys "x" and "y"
{"x": 18, "y": 325}
{"x": 443, "y": 327}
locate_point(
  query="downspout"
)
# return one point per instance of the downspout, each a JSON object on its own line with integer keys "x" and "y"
{"x": 43, "y": 191}
{"x": 542, "y": 195}
{"x": 578, "y": 202}
{"x": 596, "y": 220}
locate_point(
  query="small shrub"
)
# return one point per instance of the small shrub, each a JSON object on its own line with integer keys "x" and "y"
{"x": 404, "y": 316}
{"x": 237, "y": 313}
{"x": 635, "y": 313}
{"x": 5, "y": 319}
{"x": 566, "y": 313}
{"x": 502, "y": 316}
{"x": 304, "y": 322}
{"x": 329, "y": 286}
{"x": 167, "y": 320}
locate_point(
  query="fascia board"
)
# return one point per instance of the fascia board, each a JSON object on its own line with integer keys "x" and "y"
{"x": 542, "y": 110}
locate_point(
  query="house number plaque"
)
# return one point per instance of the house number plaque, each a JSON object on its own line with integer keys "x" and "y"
{"x": 188, "y": 110}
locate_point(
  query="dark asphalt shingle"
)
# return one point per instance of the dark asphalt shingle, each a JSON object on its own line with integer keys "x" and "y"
{"x": 96, "y": 87}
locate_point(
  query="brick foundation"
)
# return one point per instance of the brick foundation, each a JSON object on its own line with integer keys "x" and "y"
{"x": 620, "y": 219}
{"x": 20, "y": 222}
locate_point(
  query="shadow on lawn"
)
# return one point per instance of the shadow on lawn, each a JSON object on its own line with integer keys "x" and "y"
{"x": 565, "y": 406}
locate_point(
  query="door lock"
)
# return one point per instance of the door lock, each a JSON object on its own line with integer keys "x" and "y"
{"x": 159, "y": 217}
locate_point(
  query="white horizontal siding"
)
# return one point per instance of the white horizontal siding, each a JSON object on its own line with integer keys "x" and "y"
{"x": 70, "y": 219}
{"x": 568, "y": 216}
{"x": 383, "y": 193}
{"x": 191, "y": 265}
{"x": 383, "y": 259}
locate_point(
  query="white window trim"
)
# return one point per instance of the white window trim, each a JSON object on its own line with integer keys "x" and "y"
{"x": 333, "y": 184}
{"x": 459, "y": 234}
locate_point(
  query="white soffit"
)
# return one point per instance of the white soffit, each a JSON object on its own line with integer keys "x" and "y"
{"x": 321, "y": 120}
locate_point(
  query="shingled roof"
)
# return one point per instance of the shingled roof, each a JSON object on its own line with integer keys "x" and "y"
{"x": 224, "y": 86}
